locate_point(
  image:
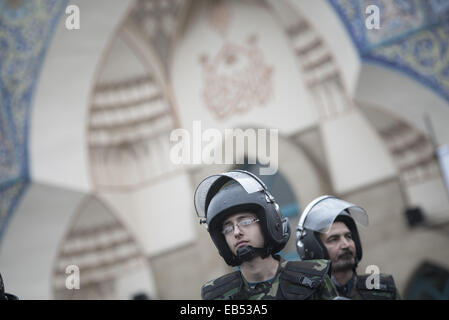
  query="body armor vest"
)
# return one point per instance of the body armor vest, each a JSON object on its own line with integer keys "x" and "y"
{"x": 298, "y": 280}
{"x": 386, "y": 290}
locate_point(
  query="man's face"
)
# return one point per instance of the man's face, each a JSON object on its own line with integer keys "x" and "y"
{"x": 340, "y": 246}
{"x": 247, "y": 234}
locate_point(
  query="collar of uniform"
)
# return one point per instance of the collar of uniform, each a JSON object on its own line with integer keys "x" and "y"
{"x": 345, "y": 289}
{"x": 266, "y": 283}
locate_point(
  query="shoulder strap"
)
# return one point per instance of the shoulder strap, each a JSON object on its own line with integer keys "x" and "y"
{"x": 223, "y": 287}
{"x": 385, "y": 291}
{"x": 300, "y": 279}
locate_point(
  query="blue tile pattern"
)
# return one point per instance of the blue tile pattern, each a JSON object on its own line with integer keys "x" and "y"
{"x": 26, "y": 28}
{"x": 413, "y": 37}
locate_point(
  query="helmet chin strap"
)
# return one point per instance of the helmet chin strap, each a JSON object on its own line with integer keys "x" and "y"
{"x": 247, "y": 253}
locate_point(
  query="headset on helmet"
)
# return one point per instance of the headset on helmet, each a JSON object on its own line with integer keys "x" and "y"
{"x": 219, "y": 196}
{"x": 318, "y": 217}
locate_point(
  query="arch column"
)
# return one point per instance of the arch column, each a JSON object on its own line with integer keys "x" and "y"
{"x": 58, "y": 148}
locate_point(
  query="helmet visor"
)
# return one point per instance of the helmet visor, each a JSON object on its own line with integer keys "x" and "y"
{"x": 212, "y": 184}
{"x": 320, "y": 214}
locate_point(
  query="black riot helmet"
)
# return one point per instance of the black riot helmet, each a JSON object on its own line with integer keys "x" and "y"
{"x": 318, "y": 217}
{"x": 219, "y": 196}
{"x": 3, "y": 294}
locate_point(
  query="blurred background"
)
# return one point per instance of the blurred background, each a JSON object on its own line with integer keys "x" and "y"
{"x": 86, "y": 112}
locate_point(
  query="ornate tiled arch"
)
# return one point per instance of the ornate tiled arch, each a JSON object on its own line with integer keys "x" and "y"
{"x": 316, "y": 61}
{"x": 130, "y": 119}
{"x": 103, "y": 249}
{"x": 411, "y": 150}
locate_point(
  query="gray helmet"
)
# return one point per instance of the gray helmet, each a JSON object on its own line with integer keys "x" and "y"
{"x": 219, "y": 196}
{"x": 318, "y": 217}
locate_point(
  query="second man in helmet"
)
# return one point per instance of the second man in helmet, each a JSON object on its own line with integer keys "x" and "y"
{"x": 327, "y": 230}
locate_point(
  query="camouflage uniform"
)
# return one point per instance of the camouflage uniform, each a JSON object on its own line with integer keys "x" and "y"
{"x": 294, "y": 280}
{"x": 356, "y": 288}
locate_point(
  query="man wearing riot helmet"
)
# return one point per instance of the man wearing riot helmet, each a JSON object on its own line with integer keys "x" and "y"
{"x": 248, "y": 229}
{"x": 327, "y": 230}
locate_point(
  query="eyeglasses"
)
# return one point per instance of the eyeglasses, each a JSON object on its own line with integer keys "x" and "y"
{"x": 241, "y": 224}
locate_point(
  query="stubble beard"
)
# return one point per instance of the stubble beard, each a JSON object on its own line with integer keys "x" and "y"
{"x": 345, "y": 262}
